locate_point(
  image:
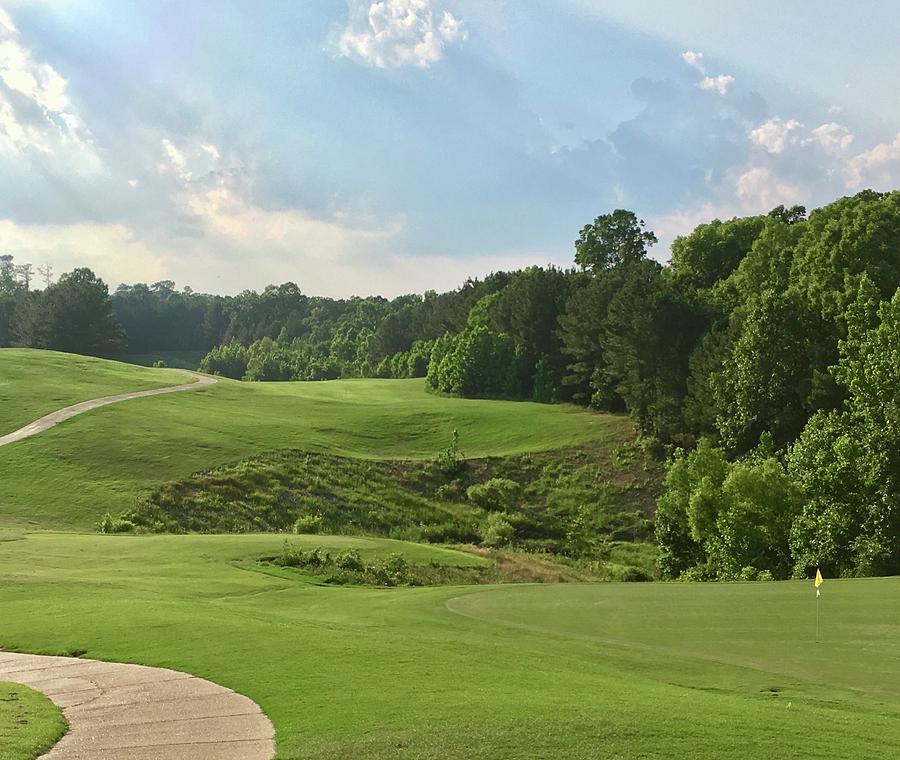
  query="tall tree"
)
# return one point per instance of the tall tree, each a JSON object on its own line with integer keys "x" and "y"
{"x": 74, "y": 315}
{"x": 619, "y": 237}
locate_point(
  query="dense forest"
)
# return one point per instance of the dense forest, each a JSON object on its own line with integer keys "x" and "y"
{"x": 763, "y": 360}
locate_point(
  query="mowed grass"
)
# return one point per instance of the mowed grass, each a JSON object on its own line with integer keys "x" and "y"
{"x": 571, "y": 672}
{"x": 30, "y": 724}
{"x": 35, "y": 383}
{"x": 102, "y": 461}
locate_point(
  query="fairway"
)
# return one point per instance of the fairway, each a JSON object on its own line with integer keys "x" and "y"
{"x": 35, "y": 383}
{"x": 99, "y": 462}
{"x": 634, "y": 670}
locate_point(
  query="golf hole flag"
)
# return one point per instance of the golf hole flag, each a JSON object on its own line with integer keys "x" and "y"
{"x": 819, "y": 582}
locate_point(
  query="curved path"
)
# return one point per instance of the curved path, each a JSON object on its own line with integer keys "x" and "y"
{"x": 61, "y": 415}
{"x": 131, "y": 712}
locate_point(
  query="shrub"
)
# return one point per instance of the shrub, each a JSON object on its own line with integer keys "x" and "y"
{"x": 496, "y": 495}
{"x": 308, "y": 524}
{"x": 497, "y": 530}
{"x": 350, "y": 561}
{"x": 634, "y": 574}
{"x": 450, "y": 463}
{"x": 110, "y": 524}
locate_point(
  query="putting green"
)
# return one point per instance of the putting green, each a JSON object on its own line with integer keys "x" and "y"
{"x": 631, "y": 671}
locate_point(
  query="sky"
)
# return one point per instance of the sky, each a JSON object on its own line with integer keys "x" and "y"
{"x": 358, "y": 147}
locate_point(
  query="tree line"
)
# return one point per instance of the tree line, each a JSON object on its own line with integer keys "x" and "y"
{"x": 763, "y": 360}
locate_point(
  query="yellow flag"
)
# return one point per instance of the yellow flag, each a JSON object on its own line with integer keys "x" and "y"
{"x": 819, "y": 580}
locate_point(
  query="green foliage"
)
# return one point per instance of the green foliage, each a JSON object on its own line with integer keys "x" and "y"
{"x": 717, "y": 518}
{"x": 228, "y": 360}
{"x": 612, "y": 239}
{"x": 495, "y": 495}
{"x": 542, "y": 496}
{"x": 308, "y": 524}
{"x": 848, "y": 463}
{"x": 478, "y": 363}
{"x": 497, "y": 530}
{"x": 73, "y": 315}
{"x": 110, "y": 524}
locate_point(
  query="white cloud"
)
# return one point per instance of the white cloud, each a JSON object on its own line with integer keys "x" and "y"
{"x": 775, "y": 134}
{"x": 32, "y": 84}
{"x": 111, "y": 250}
{"x": 833, "y": 138}
{"x": 395, "y": 33}
{"x": 694, "y": 59}
{"x": 719, "y": 84}
{"x": 877, "y": 168}
{"x": 760, "y": 189}
{"x": 6, "y": 23}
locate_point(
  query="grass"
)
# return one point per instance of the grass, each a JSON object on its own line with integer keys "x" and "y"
{"x": 177, "y": 359}
{"x": 647, "y": 671}
{"x": 35, "y": 383}
{"x": 30, "y": 724}
{"x": 70, "y": 476}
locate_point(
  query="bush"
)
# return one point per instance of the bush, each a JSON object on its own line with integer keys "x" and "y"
{"x": 308, "y": 524}
{"x": 497, "y": 530}
{"x": 450, "y": 462}
{"x": 350, "y": 561}
{"x": 110, "y": 524}
{"x": 496, "y": 495}
{"x": 159, "y": 364}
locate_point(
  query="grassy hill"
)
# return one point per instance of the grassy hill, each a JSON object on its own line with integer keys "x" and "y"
{"x": 34, "y": 383}
{"x": 700, "y": 671}
{"x": 105, "y": 460}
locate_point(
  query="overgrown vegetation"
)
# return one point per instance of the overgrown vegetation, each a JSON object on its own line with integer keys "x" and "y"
{"x": 350, "y": 568}
{"x": 572, "y": 501}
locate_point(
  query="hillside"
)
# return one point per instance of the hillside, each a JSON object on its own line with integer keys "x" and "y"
{"x": 106, "y": 460}
{"x": 34, "y": 383}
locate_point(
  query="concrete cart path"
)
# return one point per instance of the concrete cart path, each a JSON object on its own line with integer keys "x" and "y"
{"x": 61, "y": 415}
{"x": 131, "y": 712}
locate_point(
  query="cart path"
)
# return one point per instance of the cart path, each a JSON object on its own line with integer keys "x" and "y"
{"x": 132, "y": 712}
{"x": 61, "y": 415}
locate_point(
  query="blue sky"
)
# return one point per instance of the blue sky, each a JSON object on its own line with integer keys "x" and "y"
{"x": 394, "y": 146}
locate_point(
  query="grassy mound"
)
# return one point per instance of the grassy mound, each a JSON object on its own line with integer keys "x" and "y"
{"x": 700, "y": 671}
{"x": 30, "y": 724}
{"x": 34, "y": 383}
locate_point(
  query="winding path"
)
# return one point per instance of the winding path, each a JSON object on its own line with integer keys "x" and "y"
{"x": 61, "y": 415}
{"x": 131, "y": 712}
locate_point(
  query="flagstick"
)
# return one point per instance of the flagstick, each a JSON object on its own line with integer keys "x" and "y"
{"x": 817, "y": 616}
